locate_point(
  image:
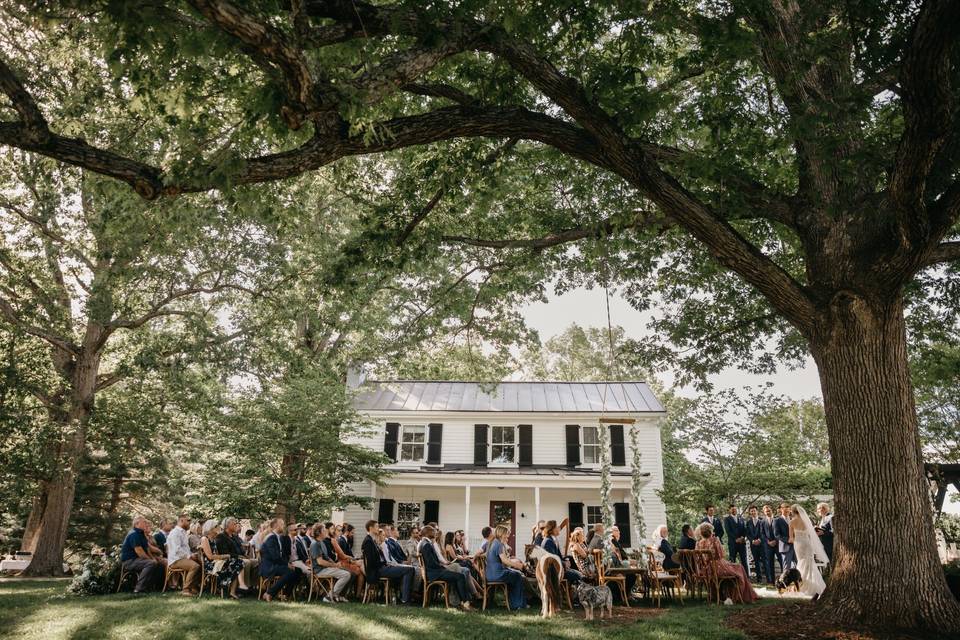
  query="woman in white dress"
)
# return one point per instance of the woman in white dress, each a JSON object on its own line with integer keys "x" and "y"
{"x": 809, "y": 552}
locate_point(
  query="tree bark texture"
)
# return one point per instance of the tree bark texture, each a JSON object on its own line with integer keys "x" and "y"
{"x": 885, "y": 567}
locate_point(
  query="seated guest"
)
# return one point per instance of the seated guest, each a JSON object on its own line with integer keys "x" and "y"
{"x": 436, "y": 569}
{"x": 179, "y": 555}
{"x": 376, "y": 564}
{"x": 550, "y": 544}
{"x": 595, "y": 541}
{"x": 299, "y": 553}
{"x": 194, "y": 538}
{"x": 392, "y": 550}
{"x": 305, "y": 535}
{"x": 346, "y": 539}
{"x": 346, "y": 562}
{"x": 229, "y": 542}
{"x": 275, "y": 561}
{"x": 687, "y": 543}
{"x": 537, "y": 539}
{"x": 248, "y": 548}
{"x": 502, "y": 568}
{"x": 661, "y": 544}
{"x": 582, "y": 558}
{"x": 219, "y": 562}
{"x": 262, "y": 532}
{"x": 460, "y": 544}
{"x": 156, "y": 552}
{"x": 450, "y": 550}
{"x": 325, "y": 565}
{"x": 487, "y": 535}
{"x": 160, "y": 537}
{"x": 711, "y": 543}
{"x": 621, "y": 557}
{"x": 135, "y": 556}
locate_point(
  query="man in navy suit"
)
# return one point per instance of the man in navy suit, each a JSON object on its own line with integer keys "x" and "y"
{"x": 755, "y": 540}
{"x": 436, "y": 569}
{"x": 714, "y": 521}
{"x": 377, "y": 567}
{"x": 770, "y": 544}
{"x": 275, "y": 561}
{"x": 736, "y": 531}
{"x": 781, "y": 529}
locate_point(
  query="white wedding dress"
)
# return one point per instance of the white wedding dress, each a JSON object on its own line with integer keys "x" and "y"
{"x": 810, "y": 553}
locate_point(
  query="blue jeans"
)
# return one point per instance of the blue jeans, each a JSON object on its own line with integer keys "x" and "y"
{"x": 514, "y": 580}
{"x": 405, "y": 574}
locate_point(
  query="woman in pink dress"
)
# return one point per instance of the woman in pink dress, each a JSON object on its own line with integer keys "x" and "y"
{"x": 709, "y": 542}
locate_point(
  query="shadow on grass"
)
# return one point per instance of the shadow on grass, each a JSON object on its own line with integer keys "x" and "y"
{"x": 42, "y": 611}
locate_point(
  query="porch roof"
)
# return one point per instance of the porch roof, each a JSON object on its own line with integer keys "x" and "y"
{"x": 533, "y": 470}
{"x": 541, "y": 476}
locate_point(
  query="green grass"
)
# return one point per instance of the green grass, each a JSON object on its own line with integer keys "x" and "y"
{"x": 40, "y": 609}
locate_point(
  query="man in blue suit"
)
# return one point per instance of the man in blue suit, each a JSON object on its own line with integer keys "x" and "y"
{"x": 735, "y": 529}
{"x": 770, "y": 544}
{"x": 714, "y": 521}
{"x": 436, "y": 569}
{"x": 755, "y": 540}
{"x": 376, "y": 564}
{"x": 781, "y": 529}
{"x": 275, "y": 560}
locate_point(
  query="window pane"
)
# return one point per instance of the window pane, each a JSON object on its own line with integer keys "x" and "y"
{"x": 591, "y": 454}
{"x": 501, "y": 453}
{"x": 408, "y": 515}
{"x": 590, "y": 435}
{"x": 594, "y": 516}
{"x": 413, "y": 432}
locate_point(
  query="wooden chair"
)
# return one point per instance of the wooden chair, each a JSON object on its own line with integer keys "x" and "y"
{"x": 123, "y": 575}
{"x": 208, "y": 578}
{"x": 171, "y": 574}
{"x": 488, "y": 585}
{"x": 323, "y": 584}
{"x": 590, "y": 578}
{"x": 708, "y": 568}
{"x": 662, "y": 582}
{"x": 428, "y": 585}
{"x": 265, "y": 584}
{"x": 383, "y": 584}
{"x": 692, "y": 580}
{"x": 603, "y": 577}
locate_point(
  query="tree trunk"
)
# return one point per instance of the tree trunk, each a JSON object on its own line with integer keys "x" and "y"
{"x": 38, "y": 504}
{"x": 886, "y": 570}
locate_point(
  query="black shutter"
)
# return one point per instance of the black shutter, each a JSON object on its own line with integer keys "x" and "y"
{"x": 480, "y": 444}
{"x": 390, "y": 441}
{"x": 385, "y": 511}
{"x": 573, "y": 445}
{"x": 621, "y": 518}
{"x": 526, "y": 445}
{"x": 431, "y": 510}
{"x": 434, "y": 442}
{"x": 618, "y": 451}
{"x": 575, "y": 511}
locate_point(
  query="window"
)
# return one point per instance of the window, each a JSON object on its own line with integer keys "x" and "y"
{"x": 412, "y": 442}
{"x": 503, "y": 445}
{"x": 594, "y": 516}
{"x": 408, "y": 516}
{"x": 591, "y": 445}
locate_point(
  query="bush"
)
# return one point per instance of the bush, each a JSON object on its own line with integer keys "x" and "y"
{"x": 98, "y": 575}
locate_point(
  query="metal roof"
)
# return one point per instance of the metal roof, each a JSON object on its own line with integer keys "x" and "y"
{"x": 516, "y": 397}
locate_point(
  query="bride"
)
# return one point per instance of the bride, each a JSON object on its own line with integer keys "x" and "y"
{"x": 809, "y": 552}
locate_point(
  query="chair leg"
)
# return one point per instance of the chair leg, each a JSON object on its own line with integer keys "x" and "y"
{"x": 486, "y": 589}
{"x": 506, "y": 596}
{"x": 446, "y": 595}
{"x": 569, "y": 600}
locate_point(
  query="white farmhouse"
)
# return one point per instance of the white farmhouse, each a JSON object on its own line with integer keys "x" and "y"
{"x": 468, "y": 454}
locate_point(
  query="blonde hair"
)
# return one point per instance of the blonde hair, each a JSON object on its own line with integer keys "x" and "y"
{"x": 823, "y": 505}
{"x": 705, "y": 530}
{"x": 501, "y": 530}
{"x": 576, "y": 535}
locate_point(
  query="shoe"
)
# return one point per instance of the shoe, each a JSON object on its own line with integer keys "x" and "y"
{"x": 327, "y": 600}
{"x": 267, "y": 597}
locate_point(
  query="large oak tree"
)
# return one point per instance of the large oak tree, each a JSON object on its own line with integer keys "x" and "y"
{"x": 824, "y": 127}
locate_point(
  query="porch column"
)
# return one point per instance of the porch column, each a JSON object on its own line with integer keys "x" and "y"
{"x": 536, "y": 504}
{"x": 466, "y": 516}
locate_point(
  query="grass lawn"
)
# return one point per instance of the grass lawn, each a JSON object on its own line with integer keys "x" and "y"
{"x": 40, "y": 609}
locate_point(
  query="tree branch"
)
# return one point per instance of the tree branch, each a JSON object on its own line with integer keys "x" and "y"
{"x": 943, "y": 252}
{"x": 8, "y": 311}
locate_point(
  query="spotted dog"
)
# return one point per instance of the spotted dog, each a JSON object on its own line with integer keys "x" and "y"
{"x": 591, "y": 597}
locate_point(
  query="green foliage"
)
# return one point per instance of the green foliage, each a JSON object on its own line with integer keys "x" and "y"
{"x": 949, "y": 523}
{"x": 98, "y": 575}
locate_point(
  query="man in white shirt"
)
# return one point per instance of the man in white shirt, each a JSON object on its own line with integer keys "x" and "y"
{"x": 178, "y": 555}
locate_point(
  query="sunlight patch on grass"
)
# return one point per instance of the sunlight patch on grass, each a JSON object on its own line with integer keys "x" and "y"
{"x": 55, "y": 622}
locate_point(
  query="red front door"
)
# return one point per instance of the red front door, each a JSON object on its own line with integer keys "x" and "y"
{"x": 504, "y": 512}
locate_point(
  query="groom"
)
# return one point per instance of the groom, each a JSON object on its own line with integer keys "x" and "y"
{"x": 781, "y": 530}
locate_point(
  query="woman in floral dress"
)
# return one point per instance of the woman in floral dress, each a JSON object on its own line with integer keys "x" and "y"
{"x": 231, "y": 568}
{"x": 710, "y": 542}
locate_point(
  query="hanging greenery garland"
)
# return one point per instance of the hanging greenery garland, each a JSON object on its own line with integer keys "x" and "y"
{"x": 637, "y": 511}
{"x": 605, "y": 509}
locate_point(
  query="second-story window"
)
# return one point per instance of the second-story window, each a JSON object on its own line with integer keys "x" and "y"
{"x": 503, "y": 445}
{"x": 591, "y": 445}
{"x": 412, "y": 442}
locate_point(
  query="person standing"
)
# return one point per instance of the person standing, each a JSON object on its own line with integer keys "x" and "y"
{"x": 736, "y": 531}
{"x": 135, "y": 555}
{"x": 770, "y": 544}
{"x": 781, "y": 530}
{"x": 710, "y": 518}
{"x": 755, "y": 540}
{"x": 178, "y": 555}
{"x": 825, "y": 529}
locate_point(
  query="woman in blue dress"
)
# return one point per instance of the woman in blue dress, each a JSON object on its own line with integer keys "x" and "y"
{"x": 502, "y": 568}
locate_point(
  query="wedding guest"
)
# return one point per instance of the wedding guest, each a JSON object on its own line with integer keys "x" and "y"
{"x": 551, "y": 544}
{"x": 377, "y": 567}
{"x": 736, "y": 531}
{"x": 229, "y": 542}
{"x": 502, "y": 568}
{"x": 249, "y": 550}
{"x": 781, "y": 531}
{"x": 581, "y": 556}
{"x": 713, "y": 521}
{"x": 436, "y": 569}
{"x": 487, "y": 536}
{"x": 194, "y": 538}
{"x": 595, "y": 541}
{"x": 757, "y": 541}
{"x": 620, "y": 554}
{"x": 299, "y": 552}
{"x": 325, "y": 565}
{"x": 392, "y": 550}
{"x": 825, "y": 529}
{"x": 710, "y": 542}
{"x": 538, "y": 533}
{"x": 346, "y": 562}
{"x": 179, "y": 555}
{"x": 160, "y": 537}
{"x": 771, "y": 549}
{"x": 135, "y": 556}
{"x": 229, "y": 569}
{"x": 262, "y": 532}
{"x": 460, "y": 543}
{"x": 275, "y": 561}
{"x": 346, "y": 539}
{"x": 661, "y": 544}
{"x": 156, "y": 552}
{"x": 687, "y": 543}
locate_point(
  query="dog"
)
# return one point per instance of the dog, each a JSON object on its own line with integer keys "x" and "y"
{"x": 591, "y": 597}
{"x": 548, "y": 570}
{"x": 789, "y": 579}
